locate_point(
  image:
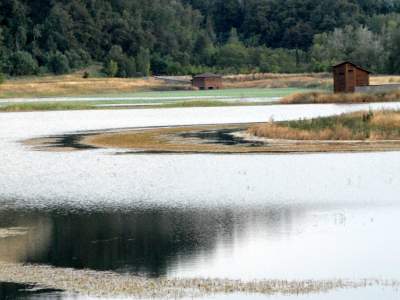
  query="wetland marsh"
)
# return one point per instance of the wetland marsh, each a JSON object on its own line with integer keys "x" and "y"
{"x": 316, "y": 226}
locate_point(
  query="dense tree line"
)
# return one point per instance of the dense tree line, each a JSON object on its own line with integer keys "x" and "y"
{"x": 139, "y": 37}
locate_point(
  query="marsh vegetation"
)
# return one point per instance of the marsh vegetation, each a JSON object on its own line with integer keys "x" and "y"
{"x": 325, "y": 97}
{"x": 383, "y": 125}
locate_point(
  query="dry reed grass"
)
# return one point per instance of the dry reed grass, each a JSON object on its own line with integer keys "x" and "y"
{"x": 384, "y": 79}
{"x": 268, "y": 80}
{"x": 76, "y": 85}
{"x": 109, "y": 284}
{"x": 383, "y": 125}
{"x": 387, "y": 119}
{"x": 275, "y": 131}
{"x": 318, "y": 97}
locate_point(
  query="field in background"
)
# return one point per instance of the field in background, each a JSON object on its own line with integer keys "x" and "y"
{"x": 166, "y": 99}
{"x": 75, "y": 84}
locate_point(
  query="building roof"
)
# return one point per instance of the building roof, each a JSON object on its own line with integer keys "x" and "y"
{"x": 354, "y": 65}
{"x": 207, "y": 75}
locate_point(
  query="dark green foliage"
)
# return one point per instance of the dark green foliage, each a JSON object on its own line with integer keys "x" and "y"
{"x": 143, "y": 62}
{"x": 58, "y": 63}
{"x": 127, "y": 68}
{"x": 110, "y": 68}
{"x": 182, "y": 36}
{"x": 119, "y": 64}
{"x": 2, "y": 78}
{"x": 22, "y": 63}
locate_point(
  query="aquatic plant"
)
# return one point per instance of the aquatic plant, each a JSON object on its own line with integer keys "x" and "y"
{"x": 382, "y": 125}
{"x": 96, "y": 283}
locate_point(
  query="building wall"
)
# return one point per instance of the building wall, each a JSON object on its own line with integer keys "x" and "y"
{"x": 207, "y": 83}
{"x": 362, "y": 78}
{"x": 339, "y": 75}
{"x": 347, "y": 77}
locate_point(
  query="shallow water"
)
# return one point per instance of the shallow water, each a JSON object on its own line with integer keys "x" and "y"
{"x": 319, "y": 216}
{"x": 11, "y": 291}
{"x": 261, "y": 242}
{"x": 367, "y": 293}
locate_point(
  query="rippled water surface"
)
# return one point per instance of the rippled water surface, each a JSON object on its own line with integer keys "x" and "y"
{"x": 296, "y": 217}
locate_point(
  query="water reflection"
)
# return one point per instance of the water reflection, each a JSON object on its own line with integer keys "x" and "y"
{"x": 23, "y": 236}
{"x": 145, "y": 241}
{"x": 236, "y": 242}
{"x": 15, "y": 291}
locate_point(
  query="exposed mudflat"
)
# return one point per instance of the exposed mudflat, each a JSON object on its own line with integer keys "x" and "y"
{"x": 223, "y": 139}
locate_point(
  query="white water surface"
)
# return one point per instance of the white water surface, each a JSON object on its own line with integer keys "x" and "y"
{"x": 313, "y": 216}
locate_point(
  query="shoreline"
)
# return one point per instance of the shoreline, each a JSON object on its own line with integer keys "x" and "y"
{"x": 102, "y": 284}
{"x": 201, "y": 139}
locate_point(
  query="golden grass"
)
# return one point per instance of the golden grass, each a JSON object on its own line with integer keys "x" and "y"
{"x": 76, "y": 85}
{"x": 384, "y": 79}
{"x": 305, "y": 80}
{"x": 109, "y": 284}
{"x": 269, "y": 80}
{"x": 388, "y": 119}
{"x": 319, "y": 98}
{"x": 276, "y": 131}
{"x": 383, "y": 125}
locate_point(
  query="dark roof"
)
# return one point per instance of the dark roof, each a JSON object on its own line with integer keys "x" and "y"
{"x": 354, "y": 65}
{"x": 207, "y": 75}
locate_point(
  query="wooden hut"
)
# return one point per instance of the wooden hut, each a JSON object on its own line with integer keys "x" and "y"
{"x": 347, "y": 76}
{"x": 207, "y": 81}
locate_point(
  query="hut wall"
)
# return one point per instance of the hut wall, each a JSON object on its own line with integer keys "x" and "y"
{"x": 347, "y": 77}
{"x": 208, "y": 83}
{"x": 340, "y": 79}
{"x": 362, "y": 78}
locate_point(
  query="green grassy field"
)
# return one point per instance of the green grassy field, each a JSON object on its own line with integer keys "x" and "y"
{"x": 54, "y": 106}
{"x": 247, "y": 92}
{"x": 167, "y": 99}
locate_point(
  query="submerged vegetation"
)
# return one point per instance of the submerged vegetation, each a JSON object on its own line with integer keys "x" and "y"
{"x": 318, "y": 97}
{"x": 383, "y": 125}
{"x": 95, "y": 283}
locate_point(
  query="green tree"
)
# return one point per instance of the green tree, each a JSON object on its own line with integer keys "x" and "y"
{"x": 111, "y": 68}
{"x": 22, "y": 63}
{"x": 143, "y": 62}
{"x": 58, "y": 63}
{"x": 232, "y": 55}
{"x": 128, "y": 68}
{"x": 393, "y": 63}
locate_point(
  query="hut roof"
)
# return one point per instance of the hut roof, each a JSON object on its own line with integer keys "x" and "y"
{"x": 354, "y": 65}
{"x": 207, "y": 75}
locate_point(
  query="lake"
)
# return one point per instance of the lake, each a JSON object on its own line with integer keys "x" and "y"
{"x": 245, "y": 217}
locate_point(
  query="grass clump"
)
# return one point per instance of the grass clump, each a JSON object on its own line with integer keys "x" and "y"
{"x": 44, "y": 106}
{"x": 383, "y": 125}
{"x": 318, "y": 97}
